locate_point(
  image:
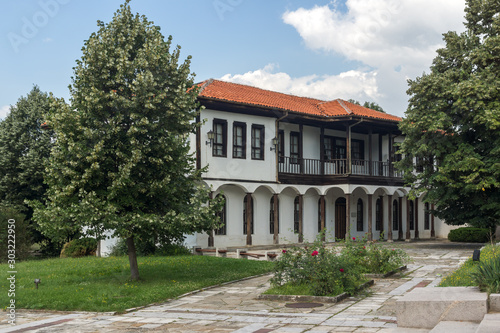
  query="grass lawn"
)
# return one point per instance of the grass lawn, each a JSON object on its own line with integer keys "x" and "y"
{"x": 103, "y": 284}
{"x": 462, "y": 277}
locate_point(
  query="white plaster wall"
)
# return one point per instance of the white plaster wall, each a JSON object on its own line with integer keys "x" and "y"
{"x": 234, "y": 168}
{"x": 310, "y": 142}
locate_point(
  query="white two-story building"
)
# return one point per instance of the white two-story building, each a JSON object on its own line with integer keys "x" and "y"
{"x": 290, "y": 167}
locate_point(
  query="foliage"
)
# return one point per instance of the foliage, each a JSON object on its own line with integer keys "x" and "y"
{"x": 121, "y": 159}
{"x": 24, "y": 147}
{"x": 146, "y": 247}
{"x": 374, "y": 258}
{"x": 369, "y": 105}
{"x": 325, "y": 272}
{"x": 487, "y": 276}
{"x": 103, "y": 284}
{"x": 452, "y": 124}
{"x": 464, "y": 276}
{"x": 19, "y": 240}
{"x": 470, "y": 234}
{"x": 79, "y": 248}
{"x": 328, "y": 272}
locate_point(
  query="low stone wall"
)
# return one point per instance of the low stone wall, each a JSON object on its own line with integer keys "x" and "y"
{"x": 426, "y": 307}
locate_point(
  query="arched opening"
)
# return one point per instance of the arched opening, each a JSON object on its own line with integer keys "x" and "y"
{"x": 378, "y": 214}
{"x": 395, "y": 215}
{"x": 340, "y": 218}
{"x": 359, "y": 215}
{"x": 222, "y": 215}
{"x": 296, "y": 214}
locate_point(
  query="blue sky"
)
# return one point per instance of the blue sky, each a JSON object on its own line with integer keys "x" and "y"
{"x": 360, "y": 49}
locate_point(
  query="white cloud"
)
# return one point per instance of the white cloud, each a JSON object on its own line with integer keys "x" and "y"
{"x": 4, "y": 111}
{"x": 47, "y": 40}
{"x": 352, "y": 84}
{"x": 395, "y": 39}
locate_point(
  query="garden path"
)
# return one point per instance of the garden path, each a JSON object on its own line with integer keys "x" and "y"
{"x": 234, "y": 307}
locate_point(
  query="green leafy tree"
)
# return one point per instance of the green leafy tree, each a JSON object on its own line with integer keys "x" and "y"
{"x": 369, "y": 105}
{"x": 121, "y": 159}
{"x": 24, "y": 147}
{"x": 452, "y": 123}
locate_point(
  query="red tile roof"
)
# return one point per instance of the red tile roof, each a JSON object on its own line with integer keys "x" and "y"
{"x": 247, "y": 95}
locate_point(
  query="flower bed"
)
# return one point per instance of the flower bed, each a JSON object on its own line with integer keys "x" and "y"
{"x": 321, "y": 271}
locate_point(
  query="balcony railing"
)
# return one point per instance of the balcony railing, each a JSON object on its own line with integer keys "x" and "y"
{"x": 336, "y": 167}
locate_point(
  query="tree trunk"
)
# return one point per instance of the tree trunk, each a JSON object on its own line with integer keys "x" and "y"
{"x": 132, "y": 258}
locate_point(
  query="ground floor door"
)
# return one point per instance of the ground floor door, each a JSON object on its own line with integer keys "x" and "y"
{"x": 340, "y": 216}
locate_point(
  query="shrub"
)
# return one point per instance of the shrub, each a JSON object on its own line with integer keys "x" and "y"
{"x": 470, "y": 235}
{"x": 323, "y": 271}
{"x": 79, "y": 248}
{"x": 19, "y": 238}
{"x": 148, "y": 248}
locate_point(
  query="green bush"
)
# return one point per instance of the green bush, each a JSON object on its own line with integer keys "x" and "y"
{"x": 15, "y": 240}
{"x": 147, "y": 248}
{"x": 79, "y": 248}
{"x": 470, "y": 235}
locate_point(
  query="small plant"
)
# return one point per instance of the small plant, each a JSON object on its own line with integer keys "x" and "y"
{"x": 487, "y": 276}
{"x": 79, "y": 248}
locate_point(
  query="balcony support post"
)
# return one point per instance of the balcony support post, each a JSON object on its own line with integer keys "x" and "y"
{"x": 389, "y": 218}
{"x": 370, "y": 217}
{"x": 323, "y": 215}
{"x": 370, "y": 157}
{"x": 347, "y": 215}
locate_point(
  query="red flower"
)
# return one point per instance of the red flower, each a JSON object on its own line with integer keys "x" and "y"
{"x": 315, "y": 253}
{"x": 284, "y": 251}
{"x": 354, "y": 238}
{"x": 341, "y": 270}
{"x": 364, "y": 247}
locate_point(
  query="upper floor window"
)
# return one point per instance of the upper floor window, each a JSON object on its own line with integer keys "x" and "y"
{"x": 359, "y": 224}
{"x": 222, "y": 218}
{"x": 219, "y": 146}
{"x": 357, "y": 149}
{"x": 281, "y": 146}
{"x": 257, "y": 142}
{"x": 329, "y": 148}
{"x": 340, "y": 149}
{"x": 239, "y": 140}
{"x": 294, "y": 147}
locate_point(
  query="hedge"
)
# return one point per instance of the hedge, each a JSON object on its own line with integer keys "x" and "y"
{"x": 79, "y": 248}
{"x": 470, "y": 235}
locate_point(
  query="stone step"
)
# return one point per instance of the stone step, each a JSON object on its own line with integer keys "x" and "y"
{"x": 490, "y": 323}
{"x": 455, "y": 327}
{"x": 426, "y": 307}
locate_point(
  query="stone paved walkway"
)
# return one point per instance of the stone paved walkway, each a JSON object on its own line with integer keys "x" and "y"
{"x": 234, "y": 307}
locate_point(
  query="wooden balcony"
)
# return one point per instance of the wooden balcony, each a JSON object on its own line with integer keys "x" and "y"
{"x": 324, "y": 172}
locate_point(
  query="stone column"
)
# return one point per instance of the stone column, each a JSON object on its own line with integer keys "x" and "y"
{"x": 301, "y": 218}
{"x": 389, "y": 218}
{"x": 370, "y": 217}
{"x": 408, "y": 232}
{"x": 249, "y": 218}
{"x": 433, "y": 231}
{"x": 323, "y": 215}
{"x": 276, "y": 239}
{"x": 400, "y": 219}
{"x": 416, "y": 219}
{"x": 347, "y": 215}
